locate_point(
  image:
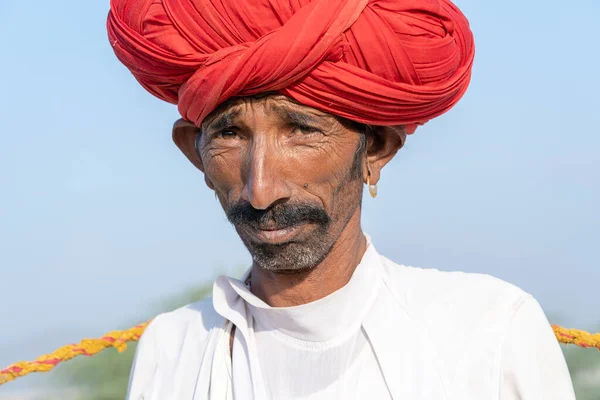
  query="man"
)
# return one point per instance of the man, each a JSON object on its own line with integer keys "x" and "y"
{"x": 289, "y": 107}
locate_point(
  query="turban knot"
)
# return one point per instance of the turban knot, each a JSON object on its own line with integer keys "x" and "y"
{"x": 379, "y": 62}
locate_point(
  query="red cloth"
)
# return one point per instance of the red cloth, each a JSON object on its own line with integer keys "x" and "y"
{"x": 379, "y": 62}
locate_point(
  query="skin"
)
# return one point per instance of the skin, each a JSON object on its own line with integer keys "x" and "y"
{"x": 269, "y": 155}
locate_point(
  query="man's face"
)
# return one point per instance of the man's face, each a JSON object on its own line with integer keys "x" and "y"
{"x": 289, "y": 177}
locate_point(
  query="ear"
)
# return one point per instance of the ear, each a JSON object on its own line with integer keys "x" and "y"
{"x": 382, "y": 145}
{"x": 184, "y": 136}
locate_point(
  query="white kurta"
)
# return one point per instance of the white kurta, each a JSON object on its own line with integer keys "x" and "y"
{"x": 393, "y": 332}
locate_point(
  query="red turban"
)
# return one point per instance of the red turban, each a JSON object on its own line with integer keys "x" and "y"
{"x": 379, "y": 62}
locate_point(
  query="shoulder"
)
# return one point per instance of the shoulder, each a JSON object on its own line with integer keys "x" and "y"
{"x": 456, "y": 303}
{"x": 173, "y": 343}
{"x": 170, "y": 352}
{"x": 169, "y": 332}
{"x": 468, "y": 319}
{"x": 479, "y": 325}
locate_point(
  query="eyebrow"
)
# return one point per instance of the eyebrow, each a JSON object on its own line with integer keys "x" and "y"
{"x": 223, "y": 120}
{"x": 295, "y": 117}
{"x": 226, "y": 118}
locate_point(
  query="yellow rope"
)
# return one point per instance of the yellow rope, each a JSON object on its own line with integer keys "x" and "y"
{"x": 119, "y": 339}
{"x": 576, "y": 337}
{"x": 87, "y": 347}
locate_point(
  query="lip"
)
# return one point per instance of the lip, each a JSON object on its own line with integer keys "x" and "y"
{"x": 275, "y": 236}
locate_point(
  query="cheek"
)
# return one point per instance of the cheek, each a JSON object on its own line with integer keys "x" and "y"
{"x": 325, "y": 161}
{"x": 327, "y": 172}
{"x": 223, "y": 170}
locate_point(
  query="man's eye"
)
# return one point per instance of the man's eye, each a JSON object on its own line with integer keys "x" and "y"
{"x": 226, "y": 134}
{"x": 305, "y": 129}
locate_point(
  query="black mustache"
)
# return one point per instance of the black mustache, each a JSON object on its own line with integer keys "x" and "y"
{"x": 282, "y": 215}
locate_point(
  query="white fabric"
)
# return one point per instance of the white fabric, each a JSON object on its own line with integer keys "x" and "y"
{"x": 324, "y": 337}
{"x": 393, "y": 332}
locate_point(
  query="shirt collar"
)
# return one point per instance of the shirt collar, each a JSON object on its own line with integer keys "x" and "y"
{"x": 338, "y": 313}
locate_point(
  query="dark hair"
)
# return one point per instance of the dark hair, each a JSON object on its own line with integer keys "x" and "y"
{"x": 363, "y": 130}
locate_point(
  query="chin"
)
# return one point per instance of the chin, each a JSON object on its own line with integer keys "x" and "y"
{"x": 290, "y": 258}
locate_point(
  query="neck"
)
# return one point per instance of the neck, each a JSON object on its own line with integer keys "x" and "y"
{"x": 334, "y": 272}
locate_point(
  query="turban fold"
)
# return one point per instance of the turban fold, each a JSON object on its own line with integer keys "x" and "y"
{"x": 378, "y": 62}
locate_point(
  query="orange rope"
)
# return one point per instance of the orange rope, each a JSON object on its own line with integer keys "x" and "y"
{"x": 119, "y": 339}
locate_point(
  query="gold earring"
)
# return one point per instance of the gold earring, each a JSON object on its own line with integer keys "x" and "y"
{"x": 372, "y": 188}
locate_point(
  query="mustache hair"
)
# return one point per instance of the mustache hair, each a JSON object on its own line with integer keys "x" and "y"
{"x": 282, "y": 215}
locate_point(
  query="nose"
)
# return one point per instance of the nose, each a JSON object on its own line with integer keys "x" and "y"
{"x": 265, "y": 176}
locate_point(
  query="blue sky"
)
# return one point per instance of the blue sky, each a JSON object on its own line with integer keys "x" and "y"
{"x": 101, "y": 216}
